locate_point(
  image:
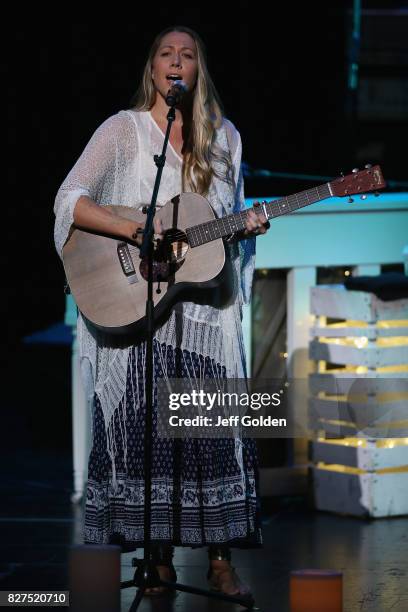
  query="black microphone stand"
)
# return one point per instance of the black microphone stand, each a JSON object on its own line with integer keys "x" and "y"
{"x": 146, "y": 574}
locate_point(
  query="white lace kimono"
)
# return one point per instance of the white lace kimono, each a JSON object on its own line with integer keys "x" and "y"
{"x": 117, "y": 167}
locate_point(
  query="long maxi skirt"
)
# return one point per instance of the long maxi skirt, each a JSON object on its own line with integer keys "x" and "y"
{"x": 198, "y": 497}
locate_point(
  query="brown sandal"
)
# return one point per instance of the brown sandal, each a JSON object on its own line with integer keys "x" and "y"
{"x": 223, "y": 553}
{"x": 162, "y": 555}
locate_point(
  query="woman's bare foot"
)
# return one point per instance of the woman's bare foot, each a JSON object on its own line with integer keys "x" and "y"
{"x": 225, "y": 578}
{"x": 165, "y": 574}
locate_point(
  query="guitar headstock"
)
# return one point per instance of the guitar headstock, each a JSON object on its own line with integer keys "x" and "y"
{"x": 359, "y": 181}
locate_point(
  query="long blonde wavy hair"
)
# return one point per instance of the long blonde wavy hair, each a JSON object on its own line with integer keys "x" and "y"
{"x": 206, "y": 116}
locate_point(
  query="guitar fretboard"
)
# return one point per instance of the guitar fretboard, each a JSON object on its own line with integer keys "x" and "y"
{"x": 225, "y": 226}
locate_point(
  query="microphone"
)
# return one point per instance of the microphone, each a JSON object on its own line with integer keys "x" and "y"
{"x": 176, "y": 93}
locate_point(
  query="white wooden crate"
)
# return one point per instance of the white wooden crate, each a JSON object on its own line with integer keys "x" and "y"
{"x": 369, "y": 331}
{"x": 337, "y": 302}
{"x": 373, "y": 412}
{"x": 339, "y": 381}
{"x": 367, "y": 495}
{"x": 366, "y": 477}
{"x": 332, "y": 428}
{"x": 371, "y": 356}
{"x": 367, "y": 455}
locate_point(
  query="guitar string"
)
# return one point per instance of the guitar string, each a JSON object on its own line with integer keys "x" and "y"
{"x": 302, "y": 199}
{"x": 281, "y": 206}
{"x": 179, "y": 234}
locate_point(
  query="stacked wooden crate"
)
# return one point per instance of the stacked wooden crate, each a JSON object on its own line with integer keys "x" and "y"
{"x": 359, "y": 402}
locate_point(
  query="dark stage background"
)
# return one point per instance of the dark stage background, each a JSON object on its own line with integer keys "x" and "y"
{"x": 283, "y": 82}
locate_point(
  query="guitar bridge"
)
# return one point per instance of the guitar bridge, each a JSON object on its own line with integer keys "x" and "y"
{"x": 126, "y": 262}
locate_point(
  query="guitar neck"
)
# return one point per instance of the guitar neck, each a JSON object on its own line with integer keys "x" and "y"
{"x": 225, "y": 226}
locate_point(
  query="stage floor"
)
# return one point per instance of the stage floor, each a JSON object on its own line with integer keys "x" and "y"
{"x": 38, "y": 524}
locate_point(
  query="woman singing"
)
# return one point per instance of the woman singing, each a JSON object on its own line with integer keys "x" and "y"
{"x": 204, "y": 491}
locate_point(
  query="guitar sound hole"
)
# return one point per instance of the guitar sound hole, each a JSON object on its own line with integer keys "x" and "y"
{"x": 176, "y": 245}
{"x": 169, "y": 257}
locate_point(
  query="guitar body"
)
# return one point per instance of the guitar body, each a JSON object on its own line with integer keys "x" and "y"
{"x": 112, "y": 296}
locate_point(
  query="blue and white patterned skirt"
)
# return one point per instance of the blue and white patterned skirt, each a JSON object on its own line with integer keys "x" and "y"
{"x": 198, "y": 497}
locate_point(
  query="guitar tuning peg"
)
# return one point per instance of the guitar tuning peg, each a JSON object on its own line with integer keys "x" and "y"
{"x": 350, "y": 200}
{"x": 363, "y": 197}
{"x": 368, "y": 166}
{"x": 355, "y": 170}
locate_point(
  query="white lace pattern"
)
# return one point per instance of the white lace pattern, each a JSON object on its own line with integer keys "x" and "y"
{"x": 117, "y": 167}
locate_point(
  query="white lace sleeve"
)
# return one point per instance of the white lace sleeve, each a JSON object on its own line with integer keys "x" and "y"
{"x": 246, "y": 247}
{"x": 94, "y": 168}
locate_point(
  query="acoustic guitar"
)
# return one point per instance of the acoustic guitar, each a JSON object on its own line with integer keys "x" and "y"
{"x": 108, "y": 279}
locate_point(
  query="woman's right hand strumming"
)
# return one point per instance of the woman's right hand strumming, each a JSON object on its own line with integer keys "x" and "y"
{"x": 89, "y": 215}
